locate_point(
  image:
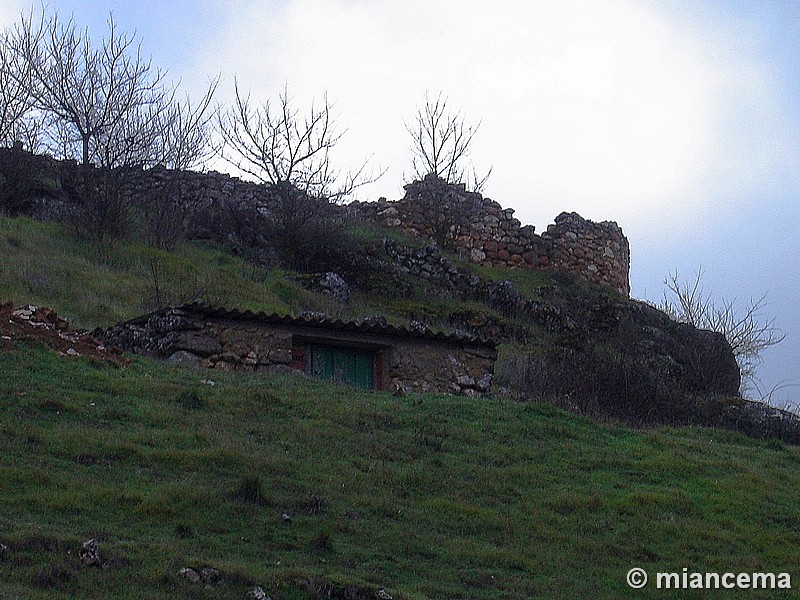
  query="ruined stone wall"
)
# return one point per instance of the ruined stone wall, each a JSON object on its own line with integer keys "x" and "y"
{"x": 226, "y": 209}
{"x": 184, "y": 338}
{"x": 479, "y": 228}
{"x": 484, "y": 232}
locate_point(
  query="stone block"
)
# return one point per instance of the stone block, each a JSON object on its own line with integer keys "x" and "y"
{"x": 280, "y": 356}
{"x": 477, "y": 255}
{"x": 182, "y": 357}
{"x": 465, "y": 381}
{"x": 194, "y": 342}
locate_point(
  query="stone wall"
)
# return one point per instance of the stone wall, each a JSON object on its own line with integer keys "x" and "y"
{"x": 484, "y": 232}
{"x": 440, "y": 367}
{"x": 234, "y": 212}
{"x": 412, "y": 361}
{"x": 429, "y": 264}
{"x": 478, "y": 228}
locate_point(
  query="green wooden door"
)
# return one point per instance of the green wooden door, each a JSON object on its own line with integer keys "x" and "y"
{"x": 353, "y": 366}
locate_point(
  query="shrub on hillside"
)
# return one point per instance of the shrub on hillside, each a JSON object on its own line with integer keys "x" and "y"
{"x": 20, "y": 182}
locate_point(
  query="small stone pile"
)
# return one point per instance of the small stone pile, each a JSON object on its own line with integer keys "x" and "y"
{"x": 43, "y": 324}
{"x": 428, "y": 263}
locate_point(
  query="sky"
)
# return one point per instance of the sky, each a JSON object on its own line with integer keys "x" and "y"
{"x": 679, "y": 120}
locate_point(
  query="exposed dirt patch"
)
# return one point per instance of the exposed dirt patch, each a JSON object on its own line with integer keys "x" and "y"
{"x": 43, "y": 324}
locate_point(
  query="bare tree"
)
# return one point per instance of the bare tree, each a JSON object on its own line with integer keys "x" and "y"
{"x": 185, "y": 131}
{"x": 441, "y": 144}
{"x": 275, "y": 144}
{"x": 748, "y": 333}
{"x": 442, "y": 171}
{"x": 16, "y": 89}
{"x": 106, "y": 106}
{"x": 91, "y": 90}
{"x": 291, "y": 152}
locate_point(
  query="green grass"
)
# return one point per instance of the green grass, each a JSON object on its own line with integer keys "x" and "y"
{"x": 376, "y": 234}
{"x": 44, "y": 264}
{"x": 426, "y": 496}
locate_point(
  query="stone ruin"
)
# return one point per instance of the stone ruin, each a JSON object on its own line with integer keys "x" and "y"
{"x": 477, "y": 228}
{"x": 226, "y": 209}
{"x": 484, "y": 232}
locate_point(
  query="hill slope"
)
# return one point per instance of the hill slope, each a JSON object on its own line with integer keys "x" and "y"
{"x": 422, "y": 496}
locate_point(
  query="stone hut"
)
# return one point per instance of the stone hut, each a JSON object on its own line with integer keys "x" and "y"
{"x": 368, "y": 353}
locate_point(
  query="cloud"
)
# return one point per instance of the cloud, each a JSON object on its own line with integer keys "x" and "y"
{"x": 616, "y": 109}
{"x": 10, "y": 11}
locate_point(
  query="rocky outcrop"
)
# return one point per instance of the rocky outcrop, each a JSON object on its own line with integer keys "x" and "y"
{"x": 701, "y": 361}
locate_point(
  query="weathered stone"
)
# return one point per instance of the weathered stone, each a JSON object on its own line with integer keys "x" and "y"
{"x": 485, "y": 382}
{"x": 258, "y": 593}
{"x": 89, "y": 554}
{"x": 281, "y": 356}
{"x": 503, "y": 295}
{"x": 336, "y": 286}
{"x": 182, "y": 357}
{"x": 231, "y": 357}
{"x": 196, "y": 343}
{"x": 465, "y": 381}
{"x": 189, "y": 574}
{"x": 477, "y": 255}
{"x": 210, "y": 576}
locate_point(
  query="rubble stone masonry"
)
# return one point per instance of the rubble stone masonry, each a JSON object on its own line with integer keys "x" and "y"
{"x": 218, "y": 206}
{"x": 486, "y": 233}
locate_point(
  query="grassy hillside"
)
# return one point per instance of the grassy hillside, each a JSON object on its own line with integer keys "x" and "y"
{"x": 422, "y": 496}
{"x": 44, "y": 264}
{"x": 425, "y": 496}
{"x": 47, "y": 265}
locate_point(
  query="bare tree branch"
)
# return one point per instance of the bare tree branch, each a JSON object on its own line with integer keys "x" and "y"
{"x": 16, "y": 88}
{"x": 441, "y": 144}
{"x": 95, "y": 93}
{"x": 277, "y": 145}
{"x": 748, "y": 333}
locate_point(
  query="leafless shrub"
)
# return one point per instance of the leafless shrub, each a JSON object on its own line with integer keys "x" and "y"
{"x": 748, "y": 332}
{"x": 441, "y": 144}
{"x": 167, "y": 288}
{"x": 279, "y": 146}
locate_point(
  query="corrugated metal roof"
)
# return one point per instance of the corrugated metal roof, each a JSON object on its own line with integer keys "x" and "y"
{"x": 321, "y": 321}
